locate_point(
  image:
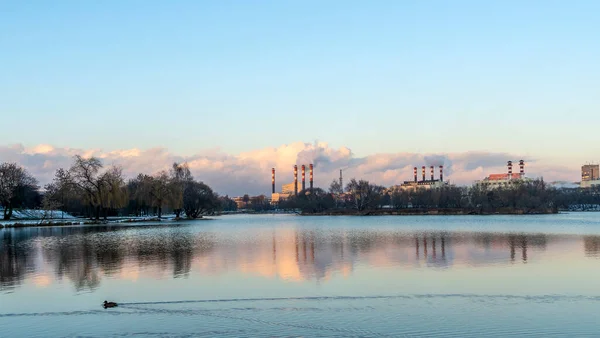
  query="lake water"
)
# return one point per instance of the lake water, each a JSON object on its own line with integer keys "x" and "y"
{"x": 290, "y": 276}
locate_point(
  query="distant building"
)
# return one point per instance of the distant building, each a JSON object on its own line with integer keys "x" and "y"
{"x": 590, "y": 175}
{"x": 278, "y": 197}
{"x": 590, "y": 172}
{"x": 239, "y": 201}
{"x": 288, "y": 189}
{"x": 411, "y": 185}
{"x": 501, "y": 180}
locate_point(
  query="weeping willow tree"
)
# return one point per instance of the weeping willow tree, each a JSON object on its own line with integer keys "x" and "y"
{"x": 113, "y": 191}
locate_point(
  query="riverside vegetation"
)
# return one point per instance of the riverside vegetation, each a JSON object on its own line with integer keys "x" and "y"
{"x": 88, "y": 189}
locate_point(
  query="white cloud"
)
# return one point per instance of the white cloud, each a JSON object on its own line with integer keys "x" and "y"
{"x": 250, "y": 172}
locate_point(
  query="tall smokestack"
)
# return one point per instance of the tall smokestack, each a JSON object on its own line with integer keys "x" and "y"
{"x": 310, "y": 175}
{"x": 509, "y": 169}
{"x": 431, "y": 168}
{"x": 415, "y": 173}
{"x": 273, "y": 179}
{"x": 522, "y": 167}
{"x": 423, "y": 170}
{"x": 441, "y": 173}
{"x": 295, "y": 180}
{"x": 303, "y": 177}
{"x": 341, "y": 182}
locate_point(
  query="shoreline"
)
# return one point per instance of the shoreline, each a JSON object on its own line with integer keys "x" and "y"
{"x": 30, "y": 223}
{"x": 429, "y": 212}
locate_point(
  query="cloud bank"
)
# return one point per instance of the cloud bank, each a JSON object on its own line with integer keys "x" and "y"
{"x": 250, "y": 172}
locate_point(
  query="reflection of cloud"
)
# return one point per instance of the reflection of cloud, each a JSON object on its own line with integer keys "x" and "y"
{"x": 42, "y": 281}
{"x": 249, "y": 172}
{"x": 130, "y": 273}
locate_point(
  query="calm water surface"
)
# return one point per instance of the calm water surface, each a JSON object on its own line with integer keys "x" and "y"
{"x": 290, "y": 276}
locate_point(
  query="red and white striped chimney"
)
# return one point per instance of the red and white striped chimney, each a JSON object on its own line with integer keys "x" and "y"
{"x": 423, "y": 171}
{"x": 273, "y": 179}
{"x": 303, "y": 177}
{"x": 310, "y": 175}
{"x": 415, "y": 173}
{"x": 441, "y": 173}
{"x": 522, "y": 167}
{"x": 509, "y": 170}
{"x": 431, "y": 168}
{"x": 295, "y": 180}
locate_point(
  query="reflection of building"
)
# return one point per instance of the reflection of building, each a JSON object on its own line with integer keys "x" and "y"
{"x": 590, "y": 175}
{"x": 591, "y": 246}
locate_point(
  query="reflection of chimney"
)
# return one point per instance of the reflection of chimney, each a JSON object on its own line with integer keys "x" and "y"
{"x": 273, "y": 178}
{"x": 522, "y": 166}
{"x": 303, "y": 177}
{"x": 295, "y": 180}
{"x": 431, "y": 168}
{"x": 310, "y": 177}
{"x": 509, "y": 169}
{"x": 441, "y": 173}
{"x": 415, "y": 173}
{"x": 423, "y": 170}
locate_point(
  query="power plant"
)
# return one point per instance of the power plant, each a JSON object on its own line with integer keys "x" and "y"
{"x": 290, "y": 189}
{"x": 502, "y": 180}
{"x": 424, "y": 183}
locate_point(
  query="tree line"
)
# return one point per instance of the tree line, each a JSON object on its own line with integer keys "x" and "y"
{"x": 89, "y": 189}
{"x": 526, "y": 196}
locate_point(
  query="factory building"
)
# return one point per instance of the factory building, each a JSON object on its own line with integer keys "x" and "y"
{"x": 590, "y": 175}
{"x": 505, "y": 179}
{"x": 424, "y": 183}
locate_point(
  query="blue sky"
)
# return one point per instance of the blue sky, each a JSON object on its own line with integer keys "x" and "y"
{"x": 375, "y": 76}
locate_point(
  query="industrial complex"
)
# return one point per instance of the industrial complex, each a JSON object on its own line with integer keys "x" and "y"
{"x": 590, "y": 176}
{"x": 290, "y": 189}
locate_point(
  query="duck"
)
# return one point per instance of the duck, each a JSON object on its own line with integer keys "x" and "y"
{"x": 109, "y": 304}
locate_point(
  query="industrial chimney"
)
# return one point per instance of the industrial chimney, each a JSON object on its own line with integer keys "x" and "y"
{"x": 310, "y": 177}
{"x": 423, "y": 170}
{"x": 273, "y": 179}
{"x": 431, "y": 168}
{"x": 341, "y": 182}
{"x": 441, "y": 173}
{"x": 303, "y": 177}
{"x": 415, "y": 173}
{"x": 509, "y": 170}
{"x": 522, "y": 166}
{"x": 295, "y": 180}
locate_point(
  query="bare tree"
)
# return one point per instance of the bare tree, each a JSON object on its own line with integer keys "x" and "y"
{"x": 364, "y": 195}
{"x": 199, "y": 199}
{"x": 15, "y": 184}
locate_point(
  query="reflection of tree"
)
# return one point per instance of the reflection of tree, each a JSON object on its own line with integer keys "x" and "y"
{"x": 84, "y": 254}
{"x": 591, "y": 245}
{"x": 15, "y": 259}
